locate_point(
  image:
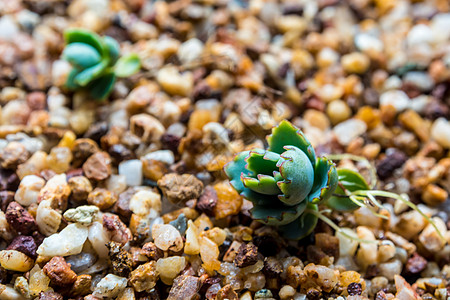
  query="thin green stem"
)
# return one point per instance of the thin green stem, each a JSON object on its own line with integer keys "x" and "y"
{"x": 404, "y": 200}
{"x": 333, "y": 225}
{"x": 374, "y": 201}
{"x": 365, "y": 161}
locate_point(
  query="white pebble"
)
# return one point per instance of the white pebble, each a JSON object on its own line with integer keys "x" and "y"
{"x": 170, "y": 267}
{"x": 60, "y": 72}
{"x": 421, "y": 80}
{"x": 440, "y": 132}
{"x": 28, "y": 190}
{"x": 419, "y": 103}
{"x": 146, "y": 203}
{"x": 167, "y": 237}
{"x": 366, "y": 42}
{"x": 132, "y": 170}
{"x": 110, "y": 286}
{"x": 440, "y": 25}
{"x": 116, "y": 183}
{"x": 47, "y": 219}
{"x": 165, "y": 156}
{"x": 286, "y": 292}
{"x": 190, "y": 50}
{"x": 8, "y": 28}
{"x": 420, "y": 34}
{"x": 175, "y": 83}
{"x": 69, "y": 241}
{"x": 396, "y": 98}
{"x": 98, "y": 237}
{"x": 392, "y": 83}
{"x": 348, "y": 130}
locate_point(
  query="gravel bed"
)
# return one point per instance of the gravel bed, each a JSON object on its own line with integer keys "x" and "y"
{"x": 126, "y": 198}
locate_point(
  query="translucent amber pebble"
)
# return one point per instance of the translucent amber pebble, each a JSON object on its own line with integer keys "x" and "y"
{"x": 209, "y": 253}
{"x": 229, "y": 202}
{"x": 370, "y": 116}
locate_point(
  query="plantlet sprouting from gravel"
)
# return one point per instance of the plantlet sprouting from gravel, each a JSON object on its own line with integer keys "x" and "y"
{"x": 96, "y": 62}
{"x": 284, "y": 182}
{"x": 287, "y": 182}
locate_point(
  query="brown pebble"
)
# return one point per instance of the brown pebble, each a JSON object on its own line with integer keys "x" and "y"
{"x": 381, "y": 295}
{"x": 434, "y": 195}
{"x": 81, "y": 187}
{"x": 393, "y": 160}
{"x": 102, "y": 198}
{"x": 24, "y": 244}
{"x": 13, "y": 155}
{"x": 36, "y": 100}
{"x": 185, "y": 287}
{"x": 313, "y": 294}
{"x": 82, "y": 149}
{"x": 119, "y": 231}
{"x": 59, "y": 272}
{"x": 97, "y": 131}
{"x": 119, "y": 153}
{"x": 50, "y": 296}
{"x": 8, "y": 180}
{"x": 247, "y": 255}
{"x": 151, "y": 251}
{"x": 316, "y": 255}
{"x": 74, "y": 173}
{"x": 329, "y": 244}
{"x": 144, "y": 277}
{"x": 47, "y": 174}
{"x": 122, "y": 206}
{"x": 227, "y": 293}
{"x": 154, "y": 169}
{"x": 121, "y": 260}
{"x": 171, "y": 142}
{"x": 82, "y": 285}
{"x": 20, "y": 219}
{"x": 6, "y": 197}
{"x": 207, "y": 201}
{"x": 415, "y": 264}
{"x": 354, "y": 288}
{"x": 98, "y": 166}
{"x": 272, "y": 267}
{"x": 180, "y": 188}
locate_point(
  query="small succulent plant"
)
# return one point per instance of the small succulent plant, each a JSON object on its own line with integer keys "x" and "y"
{"x": 96, "y": 62}
{"x": 285, "y": 182}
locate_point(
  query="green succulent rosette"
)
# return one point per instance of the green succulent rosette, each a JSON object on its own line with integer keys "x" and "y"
{"x": 96, "y": 62}
{"x": 284, "y": 182}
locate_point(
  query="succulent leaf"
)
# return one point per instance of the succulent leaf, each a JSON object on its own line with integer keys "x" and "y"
{"x": 263, "y": 184}
{"x": 113, "y": 49}
{"x": 302, "y": 226}
{"x": 127, "y": 65}
{"x": 81, "y": 55}
{"x": 70, "y": 82}
{"x": 79, "y": 35}
{"x": 350, "y": 180}
{"x": 84, "y": 77}
{"x": 101, "y": 87}
{"x": 277, "y": 214}
{"x": 325, "y": 180}
{"x": 262, "y": 162}
{"x": 298, "y": 175}
{"x": 257, "y": 198}
{"x": 287, "y": 134}
{"x": 235, "y": 168}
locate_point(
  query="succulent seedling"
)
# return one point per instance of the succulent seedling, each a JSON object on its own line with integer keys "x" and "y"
{"x": 287, "y": 182}
{"x": 96, "y": 62}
